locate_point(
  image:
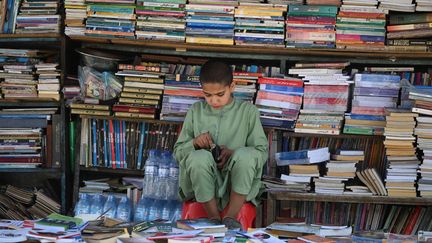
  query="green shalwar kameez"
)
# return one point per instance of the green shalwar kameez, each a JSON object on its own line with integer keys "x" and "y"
{"x": 238, "y": 127}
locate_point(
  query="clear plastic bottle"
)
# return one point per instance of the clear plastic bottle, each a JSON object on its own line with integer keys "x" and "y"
{"x": 141, "y": 211}
{"x": 150, "y": 173}
{"x": 155, "y": 210}
{"x": 83, "y": 204}
{"x": 176, "y": 213}
{"x": 166, "y": 210}
{"x": 162, "y": 177}
{"x": 111, "y": 204}
{"x": 97, "y": 204}
{"x": 124, "y": 209}
{"x": 173, "y": 178}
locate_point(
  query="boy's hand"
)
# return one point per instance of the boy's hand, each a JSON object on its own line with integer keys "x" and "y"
{"x": 203, "y": 141}
{"x": 224, "y": 156}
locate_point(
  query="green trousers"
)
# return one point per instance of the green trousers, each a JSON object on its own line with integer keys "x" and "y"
{"x": 201, "y": 179}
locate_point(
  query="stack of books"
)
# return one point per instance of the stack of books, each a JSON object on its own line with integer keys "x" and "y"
{"x": 324, "y": 2}
{"x": 182, "y": 89}
{"x": 210, "y": 22}
{"x": 161, "y": 20}
{"x": 340, "y": 169}
{"x": 48, "y": 80}
{"x": 303, "y": 165}
{"x": 208, "y": 227}
{"x": 38, "y": 16}
{"x": 246, "y": 79}
{"x": 423, "y": 5}
{"x": 423, "y": 106}
{"x": 311, "y": 26}
{"x": 360, "y": 25}
{"x": 76, "y": 14}
{"x": 141, "y": 94}
{"x": 409, "y": 32}
{"x": 402, "y": 162}
{"x": 400, "y": 5}
{"x": 260, "y": 24}
{"x": 372, "y": 94}
{"x": 279, "y": 101}
{"x": 43, "y": 205}
{"x": 372, "y": 180}
{"x": 325, "y": 94}
{"x": 19, "y": 80}
{"x": 90, "y": 109}
{"x": 111, "y": 19}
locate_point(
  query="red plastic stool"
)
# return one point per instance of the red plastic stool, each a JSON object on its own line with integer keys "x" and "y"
{"x": 246, "y": 216}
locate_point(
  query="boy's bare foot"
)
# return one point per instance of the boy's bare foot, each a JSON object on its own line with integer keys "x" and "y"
{"x": 231, "y": 223}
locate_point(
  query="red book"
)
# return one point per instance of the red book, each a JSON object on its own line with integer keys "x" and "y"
{"x": 20, "y": 160}
{"x": 193, "y": 93}
{"x": 111, "y": 137}
{"x": 412, "y": 221}
{"x": 279, "y": 97}
{"x": 325, "y": 101}
{"x": 281, "y": 81}
{"x": 121, "y": 144}
{"x": 134, "y": 109}
{"x": 361, "y": 15}
{"x": 326, "y": 88}
{"x": 247, "y": 74}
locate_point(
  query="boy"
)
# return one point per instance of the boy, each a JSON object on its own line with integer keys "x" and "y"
{"x": 235, "y": 126}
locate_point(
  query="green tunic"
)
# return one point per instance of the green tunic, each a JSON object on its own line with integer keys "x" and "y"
{"x": 238, "y": 127}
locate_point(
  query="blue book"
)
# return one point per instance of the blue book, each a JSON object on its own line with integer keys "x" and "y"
{"x": 367, "y": 117}
{"x": 303, "y": 156}
{"x": 94, "y": 143}
{"x": 117, "y": 143}
{"x": 106, "y": 161}
{"x": 124, "y": 144}
{"x": 281, "y": 89}
{"x": 141, "y": 145}
{"x": 367, "y": 77}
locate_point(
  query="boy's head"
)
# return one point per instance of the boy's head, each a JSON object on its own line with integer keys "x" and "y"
{"x": 217, "y": 83}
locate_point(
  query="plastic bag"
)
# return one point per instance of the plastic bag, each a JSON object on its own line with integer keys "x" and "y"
{"x": 99, "y": 85}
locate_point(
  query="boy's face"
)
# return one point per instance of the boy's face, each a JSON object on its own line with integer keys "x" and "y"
{"x": 218, "y": 95}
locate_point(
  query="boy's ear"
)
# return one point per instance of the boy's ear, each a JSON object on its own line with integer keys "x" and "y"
{"x": 232, "y": 87}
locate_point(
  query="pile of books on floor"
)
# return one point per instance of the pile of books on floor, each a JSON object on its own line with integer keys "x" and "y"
{"x": 409, "y": 32}
{"x": 402, "y": 162}
{"x": 279, "y": 101}
{"x": 210, "y": 22}
{"x": 423, "y": 130}
{"x": 360, "y": 25}
{"x": 48, "y": 80}
{"x": 141, "y": 95}
{"x": 310, "y": 26}
{"x": 325, "y": 97}
{"x": 111, "y": 19}
{"x": 372, "y": 94}
{"x": 38, "y": 17}
{"x": 340, "y": 169}
{"x": 182, "y": 89}
{"x": 303, "y": 165}
{"x": 259, "y": 24}
{"x": 76, "y": 14}
{"x": 161, "y": 20}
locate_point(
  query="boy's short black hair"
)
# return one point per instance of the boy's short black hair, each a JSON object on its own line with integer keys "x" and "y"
{"x": 216, "y": 72}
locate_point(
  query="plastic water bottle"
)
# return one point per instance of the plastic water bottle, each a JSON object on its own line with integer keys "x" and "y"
{"x": 155, "y": 210}
{"x": 162, "y": 177}
{"x": 110, "y": 204}
{"x": 149, "y": 203}
{"x": 173, "y": 178}
{"x": 141, "y": 210}
{"x": 150, "y": 172}
{"x": 166, "y": 210}
{"x": 124, "y": 209}
{"x": 83, "y": 205}
{"x": 176, "y": 213}
{"x": 97, "y": 204}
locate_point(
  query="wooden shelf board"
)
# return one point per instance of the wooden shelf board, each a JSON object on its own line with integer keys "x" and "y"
{"x": 183, "y": 47}
{"x": 55, "y": 172}
{"x": 113, "y": 171}
{"x": 29, "y": 102}
{"x": 30, "y": 37}
{"x": 295, "y": 196}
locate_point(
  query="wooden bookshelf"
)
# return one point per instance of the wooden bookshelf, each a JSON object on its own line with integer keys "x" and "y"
{"x": 262, "y": 53}
{"x": 54, "y": 172}
{"x": 22, "y": 103}
{"x": 31, "y": 37}
{"x": 119, "y": 171}
{"x": 296, "y": 196}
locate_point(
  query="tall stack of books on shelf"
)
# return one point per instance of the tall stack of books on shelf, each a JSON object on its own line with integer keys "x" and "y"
{"x": 142, "y": 91}
{"x": 182, "y": 89}
{"x": 210, "y": 22}
{"x": 402, "y": 162}
{"x": 246, "y": 79}
{"x": 38, "y": 17}
{"x": 372, "y": 94}
{"x": 310, "y": 26}
{"x": 400, "y": 5}
{"x": 260, "y": 24}
{"x": 161, "y": 20}
{"x": 423, "y": 106}
{"x": 48, "y": 80}
{"x": 409, "y": 32}
{"x": 340, "y": 169}
{"x": 325, "y": 97}
{"x": 76, "y": 14}
{"x": 304, "y": 165}
{"x": 111, "y": 19}
{"x": 279, "y": 101}
{"x": 360, "y": 25}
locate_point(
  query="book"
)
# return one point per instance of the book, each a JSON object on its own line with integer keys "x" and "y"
{"x": 201, "y": 224}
